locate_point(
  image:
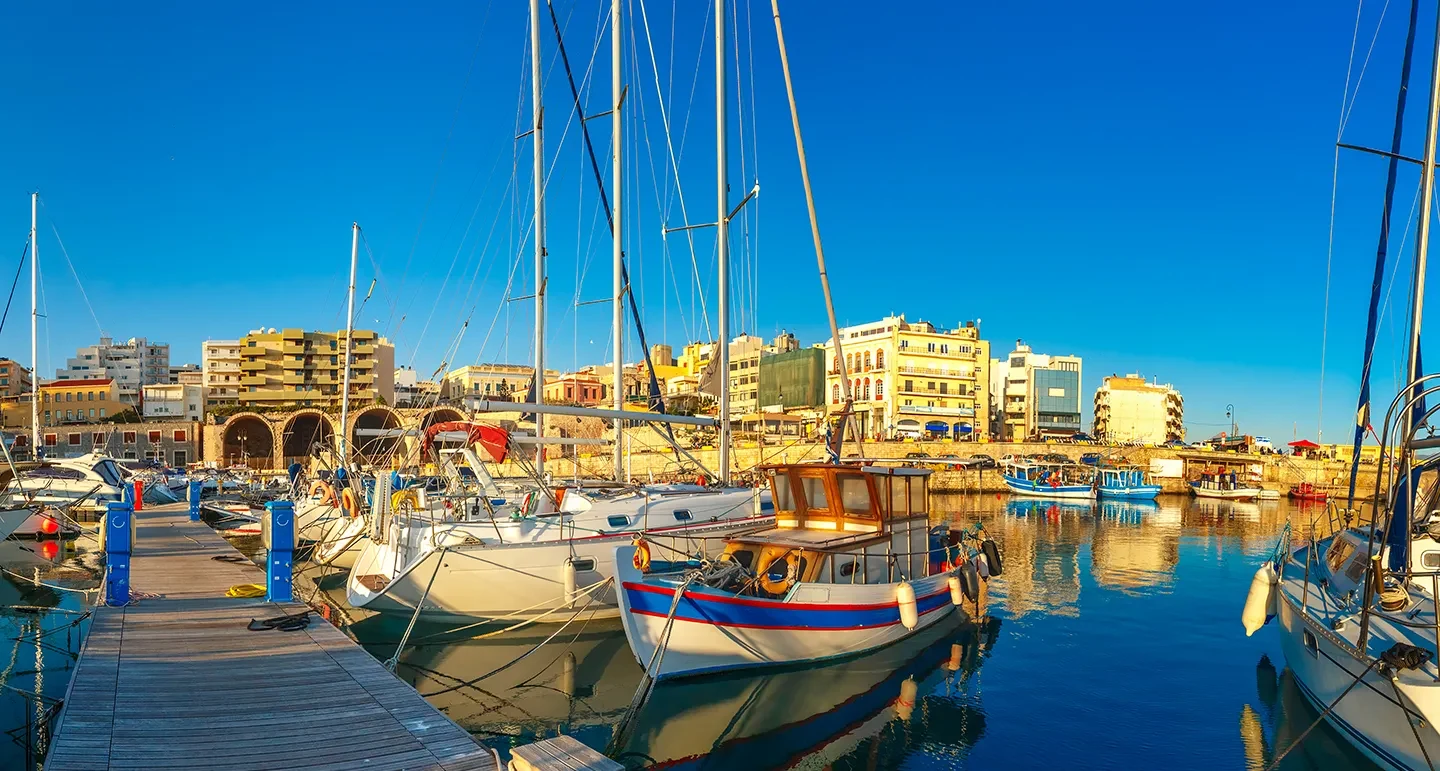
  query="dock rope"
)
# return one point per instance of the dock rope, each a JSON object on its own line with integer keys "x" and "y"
{"x": 291, "y": 622}
{"x": 246, "y": 590}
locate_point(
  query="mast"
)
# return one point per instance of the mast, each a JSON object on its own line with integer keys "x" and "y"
{"x": 349, "y": 339}
{"x": 722, "y": 234}
{"x": 1422, "y": 242}
{"x": 34, "y": 324}
{"x": 537, "y": 393}
{"x": 617, "y": 249}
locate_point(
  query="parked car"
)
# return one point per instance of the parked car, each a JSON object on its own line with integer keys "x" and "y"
{"x": 1091, "y": 458}
{"x": 914, "y": 457}
{"x": 1176, "y": 444}
{"x": 981, "y": 460}
{"x": 1055, "y": 457}
{"x": 1081, "y": 436}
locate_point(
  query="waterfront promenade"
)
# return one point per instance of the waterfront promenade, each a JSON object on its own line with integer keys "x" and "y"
{"x": 178, "y": 681}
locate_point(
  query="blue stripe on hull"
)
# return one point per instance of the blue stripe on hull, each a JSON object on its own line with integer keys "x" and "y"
{"x": 1147, "y": 492}
{"x": 722, "y": 610}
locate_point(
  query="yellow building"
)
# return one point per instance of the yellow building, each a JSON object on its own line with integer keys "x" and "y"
{"x": 295, "y": 368}
{"x": 78, "y": 401}
{"x": 695, "y": 357}
{"x": 912, "y": 379}
{"x": 1128, "y": 409}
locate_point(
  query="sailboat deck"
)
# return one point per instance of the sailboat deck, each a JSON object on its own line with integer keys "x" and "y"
{"x": 178, "y": 681}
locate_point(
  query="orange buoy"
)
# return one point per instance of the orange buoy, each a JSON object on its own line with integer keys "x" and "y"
{"x": 48, "y": 525}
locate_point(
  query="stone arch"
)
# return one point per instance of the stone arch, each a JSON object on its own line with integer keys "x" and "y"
{"x": 369, "y": 448}
{"x": 301, "y": 431}
{"x": 248, "y": 439}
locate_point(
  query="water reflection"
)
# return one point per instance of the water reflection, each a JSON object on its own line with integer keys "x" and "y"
{"x": 1278, "y": 716}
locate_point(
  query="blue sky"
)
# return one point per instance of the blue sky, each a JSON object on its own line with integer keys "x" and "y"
{"x": 1145, "y": 185}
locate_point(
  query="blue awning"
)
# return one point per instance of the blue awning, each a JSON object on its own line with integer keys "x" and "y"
{"x": 938, "y": 427}
{"x": 963, "y": 428}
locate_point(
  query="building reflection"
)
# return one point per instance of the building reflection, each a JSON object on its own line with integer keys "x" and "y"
{"x": 1041, "y": 543}
{"x": 1135, "y": 549}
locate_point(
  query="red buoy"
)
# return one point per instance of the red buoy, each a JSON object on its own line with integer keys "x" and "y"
{"x": 48, "y": 525}
{"x": 49, "y": 549}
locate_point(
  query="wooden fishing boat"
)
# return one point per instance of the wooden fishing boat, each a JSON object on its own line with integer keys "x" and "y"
{"x": 1307, "y": 492}
{"x": 849, "y": 566}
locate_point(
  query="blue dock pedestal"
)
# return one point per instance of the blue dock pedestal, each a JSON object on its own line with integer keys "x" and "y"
{"x": 194, "y": 500}
{"x": 277, "y": 531}
{"x": 119, "y": 541}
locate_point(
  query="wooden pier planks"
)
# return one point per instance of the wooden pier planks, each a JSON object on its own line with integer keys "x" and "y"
{"x": 179, "y": 682}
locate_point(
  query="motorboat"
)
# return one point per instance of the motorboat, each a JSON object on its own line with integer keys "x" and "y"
{"x": 848, "y": 567}
{"x": 1039, "y": 479}
{"x": 1126, "y": 482}
{"x": 1224, "y": 485}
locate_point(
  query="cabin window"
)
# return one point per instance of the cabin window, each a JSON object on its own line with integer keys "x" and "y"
{"x": 1340, "y": 551}
{"x": 1309, "y": 641}
{"x": 1430, "y": 559}
{"x": 784, "y": 497}
{"x": 918, "y": 502}
{"x": 855, "y": 495}
{"x": 683, "y": 515}
{"x": 581, "y": 565}
{"x": 745, "y": 557}
{"x": 814, "y": 489}
{"x": 618, "y": 520}
{"x": 848, "y": 569}
{"x": 897, "y": 497}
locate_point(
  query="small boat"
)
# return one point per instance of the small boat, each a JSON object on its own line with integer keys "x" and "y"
{"x": 1308, "y": 492}
{"x": 1126, "y": 482}
{"x": 1268, "y": 495}
{"x": 849, "y": 566}
{"x": 1049, "y": 480}
{"x": 1223, "y": 485}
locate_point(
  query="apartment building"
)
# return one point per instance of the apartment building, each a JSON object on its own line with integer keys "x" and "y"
{"x": 14, "y": 379}
{"x": 913, "y": 379}
{"x": 173, "y": 401}
{"x": 411, "y": 391}
{"x": 220, "y": 372}
{"x": 293, "y": 368}
{"x": 1128, "y": 409}
{"x": 131, "y": 364}
{"x": 1034, "y": 396}
{"x": 80, "y": 401}
{"x": 187, "y": 373}
{"x": 489, "y": 382}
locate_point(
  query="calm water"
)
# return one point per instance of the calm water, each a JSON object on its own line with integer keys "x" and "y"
{"x": 1113, "y": 641}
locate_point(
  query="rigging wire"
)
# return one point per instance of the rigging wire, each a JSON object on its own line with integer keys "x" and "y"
{"x": 23, "y": 253}
{"x": 83, "y": 296}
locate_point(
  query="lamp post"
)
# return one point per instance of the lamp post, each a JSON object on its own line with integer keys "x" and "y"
{"x": 1230, "y": 416}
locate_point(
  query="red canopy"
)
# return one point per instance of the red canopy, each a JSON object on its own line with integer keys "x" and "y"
{"x": 1305, "y": 444}
{"x": 494, "y": 440}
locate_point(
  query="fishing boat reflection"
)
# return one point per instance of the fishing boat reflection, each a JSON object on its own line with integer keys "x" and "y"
{"x": 1023, "y": 507}
{"x": 1283, "y": 714}
{"x": 1126, "y": 510}
{"x": 881, "y": 705}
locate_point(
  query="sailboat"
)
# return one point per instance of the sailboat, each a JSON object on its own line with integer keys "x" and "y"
{"x": 1357, "y": 613}
{"x": 550, "y": 554}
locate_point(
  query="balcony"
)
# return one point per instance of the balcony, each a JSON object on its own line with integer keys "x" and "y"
{"x": 254, "y": 380}
{"x": 363, "y": 364}
{"x": 224, "y": 366}
{"x": 364, "y": 349}
{"x": 292, "y": 348}
{"x": 923, "y": 409}
{"x": 292, "y": 379}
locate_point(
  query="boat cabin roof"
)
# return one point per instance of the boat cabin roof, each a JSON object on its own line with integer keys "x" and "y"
{"x": 846, "y": 499}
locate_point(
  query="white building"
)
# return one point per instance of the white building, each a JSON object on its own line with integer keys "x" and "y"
{"x": 411, "y": 391}
{"x": 220, "y": 368}
{"x": 1128, "y": 409}
{"x": 131, "y": 364}
{"x": 186, "y": 373}
{"x": 173, "y": 401}
{"x": 1034, "y": 395}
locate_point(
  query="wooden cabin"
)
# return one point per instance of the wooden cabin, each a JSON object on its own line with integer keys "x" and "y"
{"x": 840, "y": 524}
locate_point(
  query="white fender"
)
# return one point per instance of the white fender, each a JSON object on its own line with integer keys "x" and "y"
{"x": 909, "y": 611}
{"x": 957, "y": 595}
{"x": 567, "y": 577}
{"x": 1260, "y": 602}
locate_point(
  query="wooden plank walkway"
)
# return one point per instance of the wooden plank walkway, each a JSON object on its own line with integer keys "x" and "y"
{"x": 178, "y": 682}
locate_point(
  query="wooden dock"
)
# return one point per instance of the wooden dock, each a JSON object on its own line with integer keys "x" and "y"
{"x": 179, "y": 682}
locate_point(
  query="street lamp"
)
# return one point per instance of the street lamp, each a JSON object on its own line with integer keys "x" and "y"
{"x": 1230, "y": 416}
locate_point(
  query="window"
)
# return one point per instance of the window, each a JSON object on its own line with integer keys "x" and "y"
{"x": 51, "y": 440}
{"x": 880, "y": 359}
{"x": 780, "y": 486}
{"x": 897, "y": 497}
{"x": 250, "y": 344}
{"x": 866, "y": 392}
{"x": 618, "y": 520}
{"x": 1056, "y": 392}
{"x": 867, "y": 361}
{"x": 904, "y": 343}
{"x": 854, "y": 495}
{"x": 944, "y": 388}
{"x": 90, "y": 396}
{"x": 930, "y": 347}
{"x": 879, "y": 390}
{"x": 683, "y": 515}
{"x": 129, "y": 437}
{"x": 909, "y": 386}
{"x": 834, "y": 395}
{"x": 97, "y": 439}
{"x": 73, "y": 439}
{"x": 919, "y": 504}
{"x": 47, "y": 416}
{"x": 836, "y": 368}
{"x": 181, "y": 458}
{"x": 849, "y": 363}
{"x": 69, "y": 414}
{"x": 102, "y": 413}
{"x": 814, "y": 489}
{"x": 179, "y": 435}
{"x": 92, "y": 413}
{"x": 153, "y": 436}
{"x": 69, "y": 396}
{"x": 944, "y": 348}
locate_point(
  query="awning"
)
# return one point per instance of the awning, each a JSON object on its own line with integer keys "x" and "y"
{"x": 1305, "y": 444}
{"x": 908, "y": 425}
{"x": 938, "y": 427}
{"x": 964, "y": 428}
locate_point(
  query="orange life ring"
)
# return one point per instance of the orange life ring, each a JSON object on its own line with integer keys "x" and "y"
{"x": 320, "y": 486}
{"x": 349, "y": 503}
{"x": 641, "y": 560}
{"x": 782, "y": 586}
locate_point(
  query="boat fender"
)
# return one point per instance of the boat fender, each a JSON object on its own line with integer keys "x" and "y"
{"x": 909, "y": 611}
{"x": 969, "y": 579}
{"x": 349, "y": 503}
{"x": 641, "y": 560}
{"x": 957, "y": 658}
{"x": 992, "y": 557}
{"x": 905, "y": 702}
{"x": 957, "y": 595}
{"x": 324, "y": 491}
{"x": 1260, "y": 602}
{"x": 403, "y": 496}
{"x": 567, "y": 674}
{"x": 567, "y": 577}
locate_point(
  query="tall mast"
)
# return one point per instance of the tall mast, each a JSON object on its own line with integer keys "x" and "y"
{"x": 538, "y": 392}
{"x": 1422, "y": 243}
{"x": 617, "y": 250}
{"x": 722, "y": 234}
{"x": 34, "y": 324}
{"x": 349, "y": 346}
